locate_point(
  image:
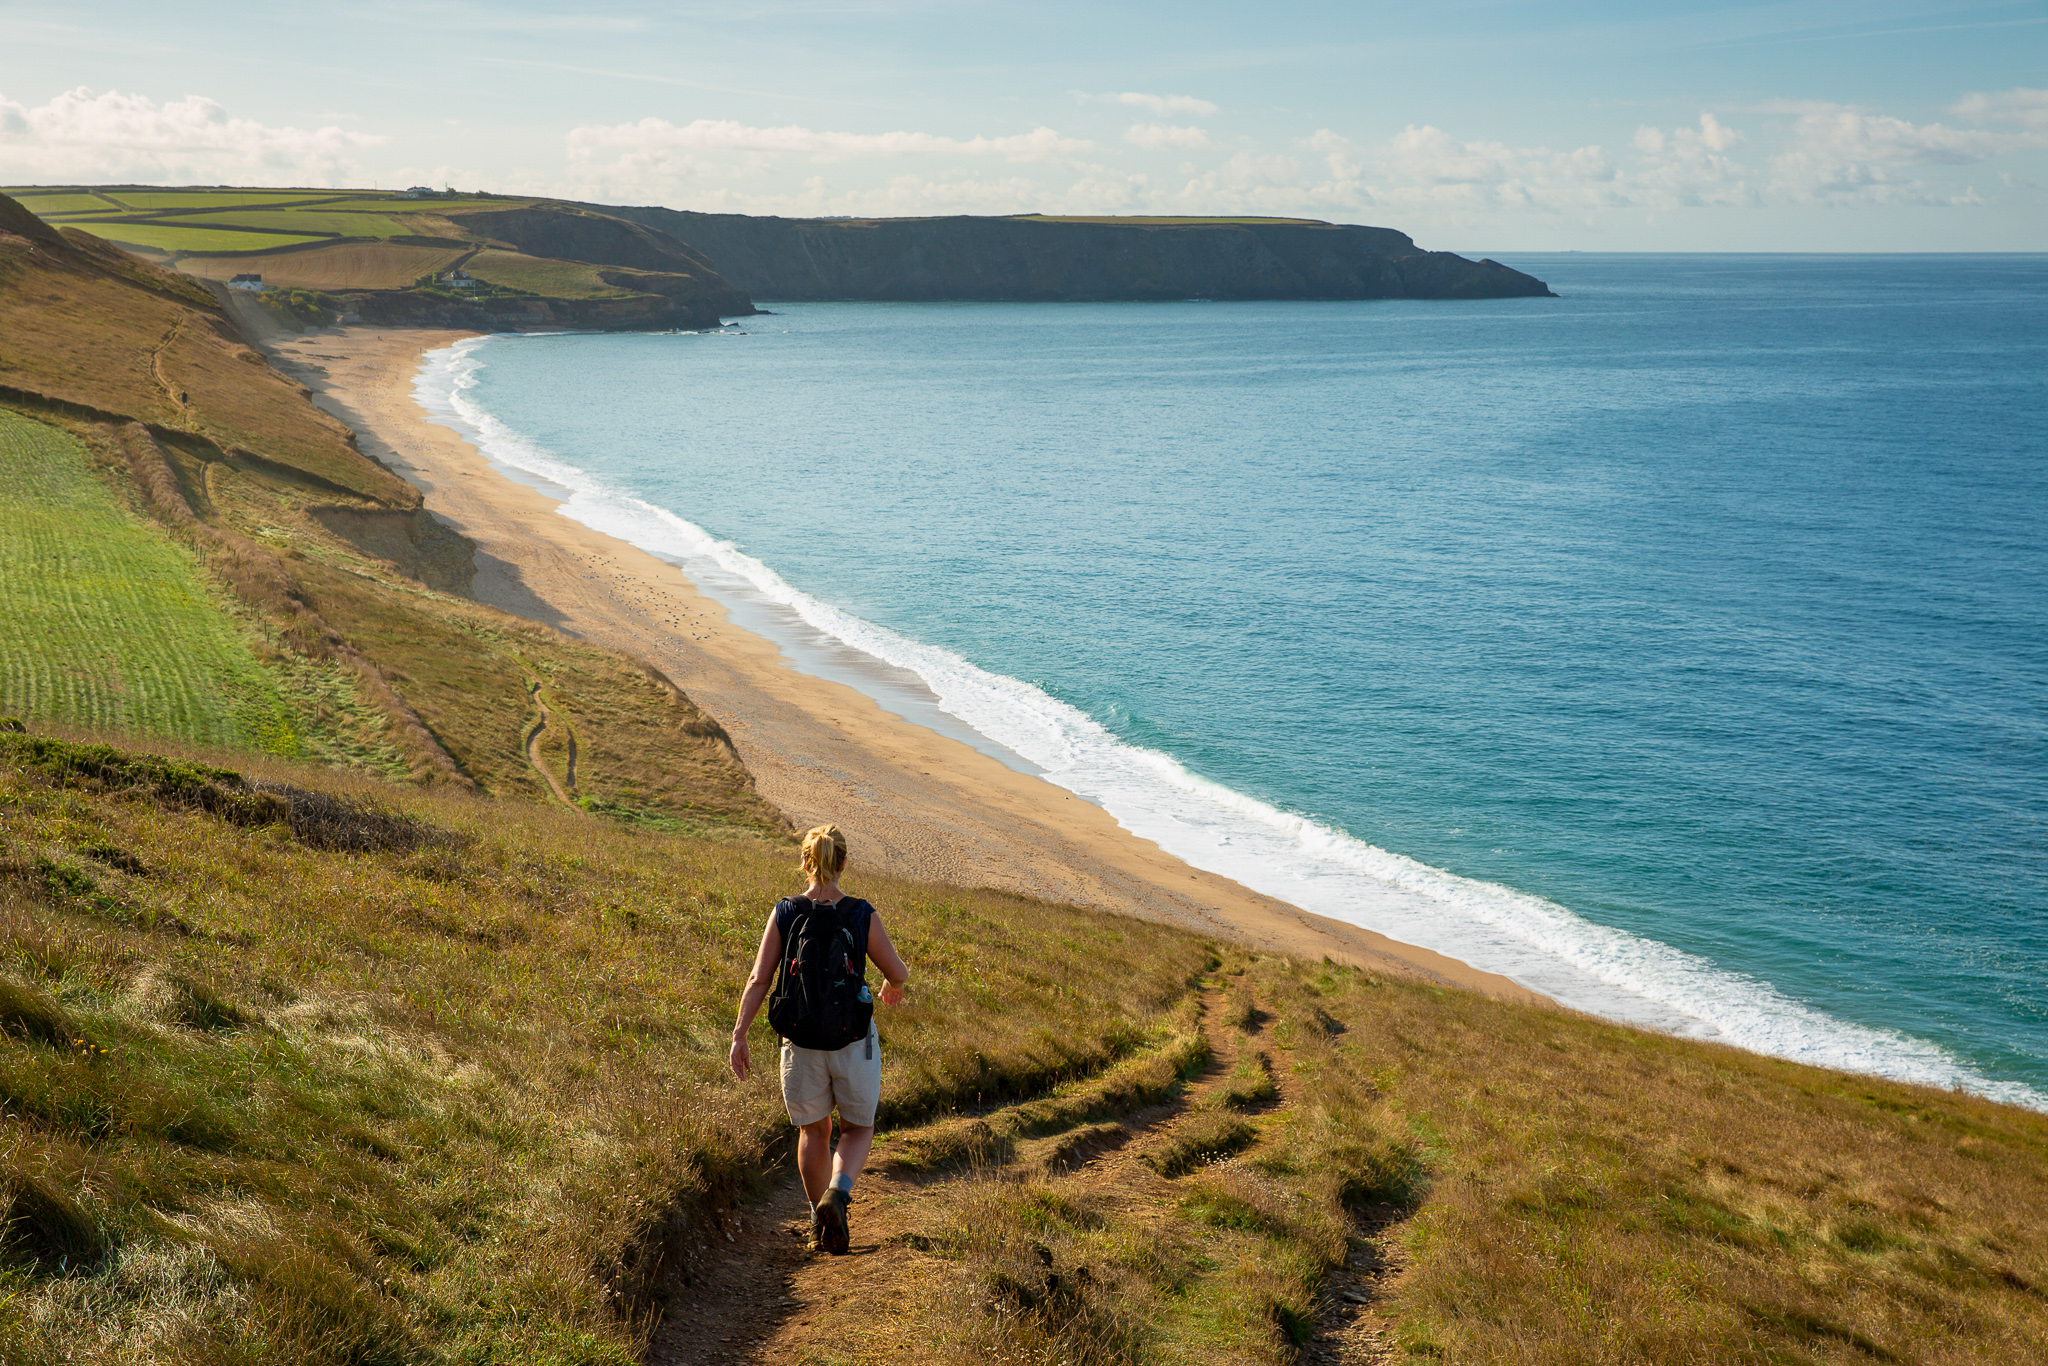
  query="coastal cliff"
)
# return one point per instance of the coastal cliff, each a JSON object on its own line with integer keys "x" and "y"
{"x": 1056, "y": 259}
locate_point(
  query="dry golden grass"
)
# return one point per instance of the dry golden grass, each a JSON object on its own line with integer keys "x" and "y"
{"x": 1440, "y": 1177}
{"x": 265, "y": 1102}
{"x": 1601, "y": 1194}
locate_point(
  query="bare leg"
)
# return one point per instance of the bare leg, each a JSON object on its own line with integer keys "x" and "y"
{"x": 814, "y": 1157}
{"x": 854, "y": 1142}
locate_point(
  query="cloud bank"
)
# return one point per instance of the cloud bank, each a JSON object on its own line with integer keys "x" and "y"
{"x": 725, "y": 135}
{"x": 83, "y": 137}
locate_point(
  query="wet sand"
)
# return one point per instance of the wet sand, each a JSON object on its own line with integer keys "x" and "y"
{"x": 912, "y": 801}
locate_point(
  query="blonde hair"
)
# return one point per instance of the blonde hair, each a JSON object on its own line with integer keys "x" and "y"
{"x": 824, "y": 853}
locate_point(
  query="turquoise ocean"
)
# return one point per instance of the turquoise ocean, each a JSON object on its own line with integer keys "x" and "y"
{"x": 1677, "y": 647}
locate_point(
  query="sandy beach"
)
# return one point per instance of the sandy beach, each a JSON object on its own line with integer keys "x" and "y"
{"x": 913, "y": 802}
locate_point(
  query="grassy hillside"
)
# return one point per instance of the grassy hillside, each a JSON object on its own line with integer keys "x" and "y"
{"x": 82, "y": 323}
{"x": 405, "y": 1077}
{"x": 381, "y": 253}
{"x": 230, "y": 568}
{"x": 447, "y": 1094}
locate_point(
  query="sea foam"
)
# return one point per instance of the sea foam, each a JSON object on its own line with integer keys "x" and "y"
{"x": 1290, "y": 857}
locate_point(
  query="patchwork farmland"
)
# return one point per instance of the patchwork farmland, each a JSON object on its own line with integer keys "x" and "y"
{"x": 384, "y": 257}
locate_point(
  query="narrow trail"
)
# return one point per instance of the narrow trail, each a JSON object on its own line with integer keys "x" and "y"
{"x": 172, "y": 394}
{"x": 763, "y": 1297}
{"x": 532, "y": 746}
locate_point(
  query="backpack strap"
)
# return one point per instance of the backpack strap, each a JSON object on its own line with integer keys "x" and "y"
{"x": 863, "y": 914}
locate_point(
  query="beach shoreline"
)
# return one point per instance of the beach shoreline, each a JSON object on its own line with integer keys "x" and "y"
{"x": 915, "y": 802}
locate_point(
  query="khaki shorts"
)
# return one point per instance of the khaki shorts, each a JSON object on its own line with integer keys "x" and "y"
{"x": 814, "y": 1081}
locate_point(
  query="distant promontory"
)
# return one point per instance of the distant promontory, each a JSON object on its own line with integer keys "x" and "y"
{"x": 1033, "y": 257}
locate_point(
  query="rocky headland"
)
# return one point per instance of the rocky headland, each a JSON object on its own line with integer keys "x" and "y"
{"x": 1064, "y": 259}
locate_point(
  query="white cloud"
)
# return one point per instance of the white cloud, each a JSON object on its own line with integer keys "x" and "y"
{"x": 1841, "y": 154}
{"x": 1423, "y": 177}
{"x": 1159, "y": 136}
{"x": 2028, "y": 108}
{"x": 1163, "y": 106}
{"x": 726, "y": 135}
{"x": 83, "y": 138}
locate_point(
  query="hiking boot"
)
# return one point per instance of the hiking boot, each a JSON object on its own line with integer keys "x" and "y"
{"x": 816, "y": 1241}
{"x": 833, "y": 1234}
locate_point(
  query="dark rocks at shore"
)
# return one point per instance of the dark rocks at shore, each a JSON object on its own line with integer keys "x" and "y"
{"x": 970, "y": 258}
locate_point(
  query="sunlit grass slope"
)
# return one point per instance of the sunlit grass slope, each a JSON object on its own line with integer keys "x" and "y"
{"x": 285, "y": 1082}
{"x": 84, "y": 323}
{"x": 104, "y": 621}
{"x": 401, "y": 1076}
{"x": 1383, "y": 1171}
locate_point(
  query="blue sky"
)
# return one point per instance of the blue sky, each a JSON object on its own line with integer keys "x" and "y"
{"x": 1482, "y": 125}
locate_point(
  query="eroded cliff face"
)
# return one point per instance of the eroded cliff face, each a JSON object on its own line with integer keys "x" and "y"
{"x": 1053, "y": 259}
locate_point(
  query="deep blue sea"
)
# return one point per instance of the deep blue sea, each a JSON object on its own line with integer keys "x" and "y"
{"x": 1678, "y": 647}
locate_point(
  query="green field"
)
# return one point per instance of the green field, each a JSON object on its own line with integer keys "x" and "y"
{"x": 103, "y": 621}
{"x": 199, "y": 199}
{"x": 43, "y": 204}
{"x": 539, "y": 275}
{"x": 398, "y": 204}
{"x": 165, "y": 237}
{"x": 316, "y": 220}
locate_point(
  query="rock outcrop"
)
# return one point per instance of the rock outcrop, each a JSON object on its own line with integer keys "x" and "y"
{"x": 1032, "y": 258}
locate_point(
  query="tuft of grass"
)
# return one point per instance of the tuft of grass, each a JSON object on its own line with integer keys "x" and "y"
{"x": 1149, "y": 1079}
{"x": 1199, "y": 1140}
{"x": 1250, "y": 1083}
{"x": 30, "y": 1015}
{"x": 967, "y": 1143}
{"x": 44, "y": 1232}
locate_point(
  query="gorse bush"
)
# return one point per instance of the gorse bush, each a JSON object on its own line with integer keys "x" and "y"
{"x": 306, "y": 307}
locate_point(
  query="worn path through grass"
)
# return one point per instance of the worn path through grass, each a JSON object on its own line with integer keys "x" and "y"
{"x": 1136, "y": 1169}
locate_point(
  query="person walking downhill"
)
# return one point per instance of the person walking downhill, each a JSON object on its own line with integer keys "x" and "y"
{"x": 814, "y": 951}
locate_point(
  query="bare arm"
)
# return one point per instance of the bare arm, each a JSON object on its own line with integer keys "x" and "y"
{"x": 758, "y": 982}
{"x": 888, "y": 960}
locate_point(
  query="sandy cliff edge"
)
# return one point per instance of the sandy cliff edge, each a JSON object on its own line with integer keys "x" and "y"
{"x": 913, "y": 802}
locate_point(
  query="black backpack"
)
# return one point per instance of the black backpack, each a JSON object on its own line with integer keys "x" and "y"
{"x": 821, "y": 995}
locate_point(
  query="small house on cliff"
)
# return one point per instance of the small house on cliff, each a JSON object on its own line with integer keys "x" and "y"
{"x": 247, "y": 281}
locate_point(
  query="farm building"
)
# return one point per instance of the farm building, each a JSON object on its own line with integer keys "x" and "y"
{"x": 459, "y": 279}
{"x": 246, "y": 281}
{"x": 418, "y": 192}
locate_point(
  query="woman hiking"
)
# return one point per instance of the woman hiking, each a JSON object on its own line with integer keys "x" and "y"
{"x": 818, "y": 943}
